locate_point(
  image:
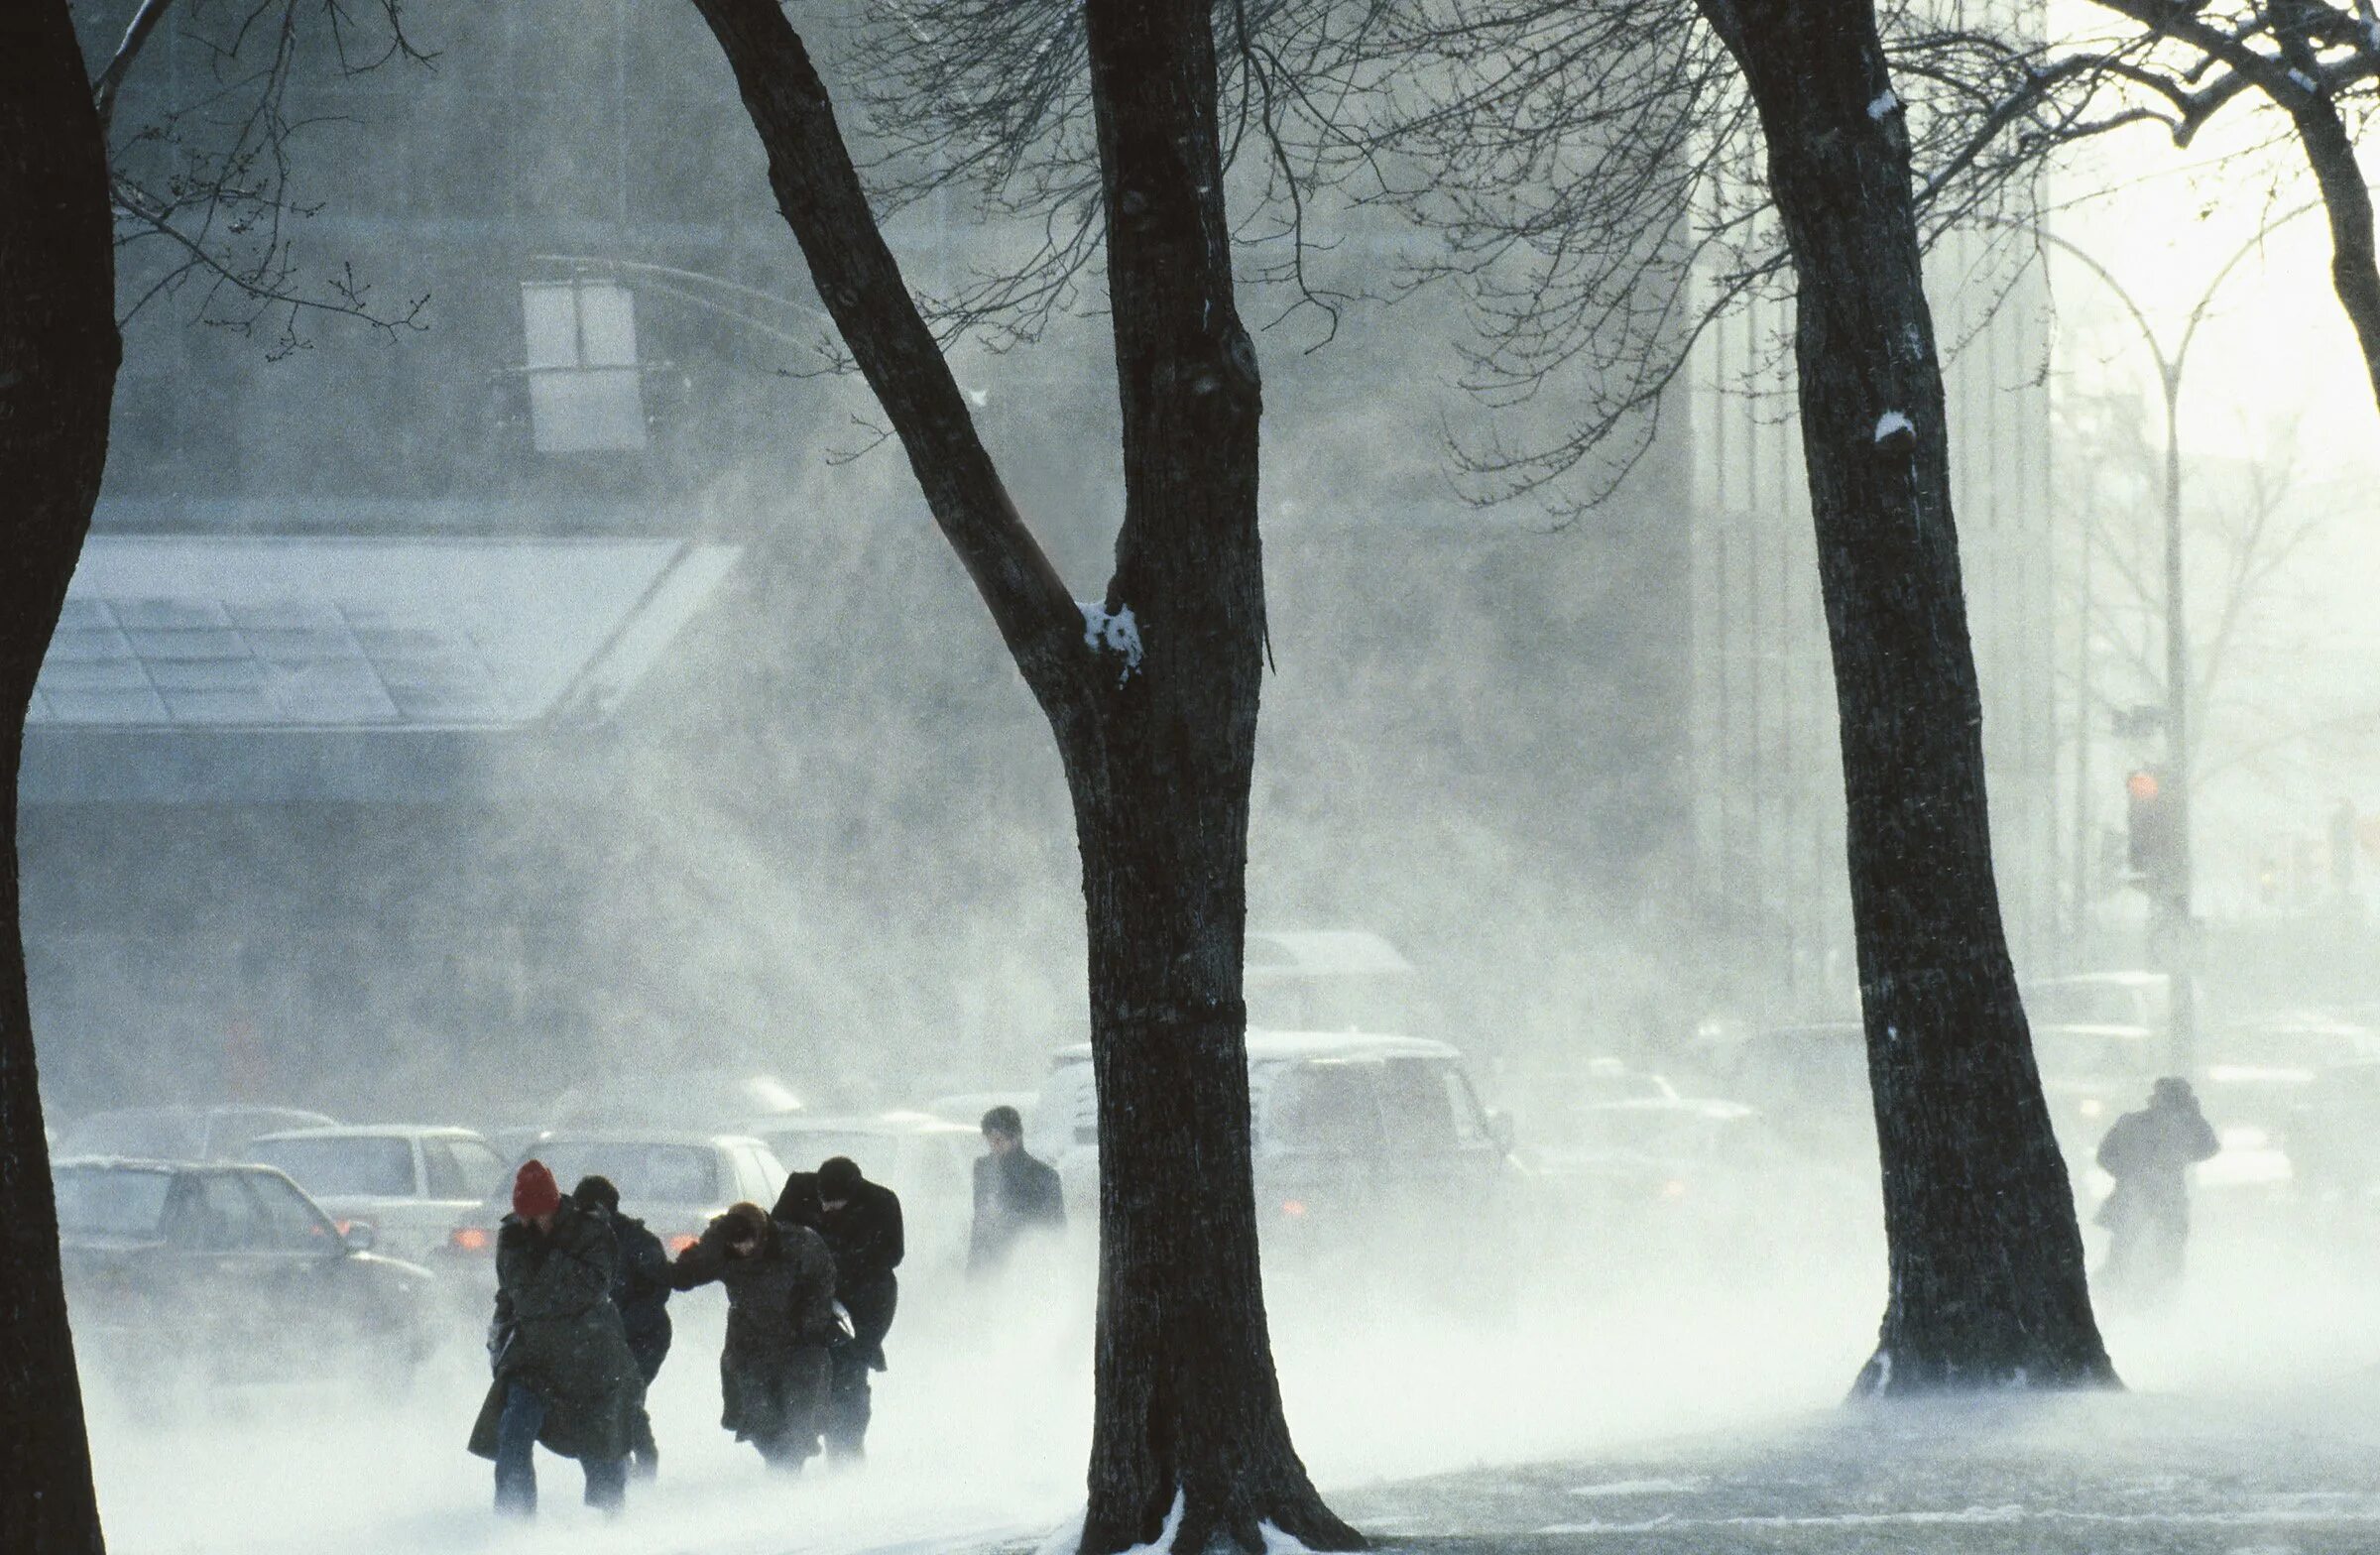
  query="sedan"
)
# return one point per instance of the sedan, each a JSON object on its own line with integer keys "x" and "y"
{"x": 409, "y": 1184}
{"x": 227, "y": 1274}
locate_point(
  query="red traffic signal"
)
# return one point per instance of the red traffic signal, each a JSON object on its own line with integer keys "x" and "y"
{"x": 2153, "y": 831}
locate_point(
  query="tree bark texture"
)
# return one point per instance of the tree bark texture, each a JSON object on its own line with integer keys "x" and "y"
{"x": 1152, "y": 698}
{"x": 59, "y": 353}
{"x": 1987, "y": 1282}
{"x": 2347, "y": 203}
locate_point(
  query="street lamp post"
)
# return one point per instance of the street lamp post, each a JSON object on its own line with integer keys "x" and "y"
{"x": 2175, "y": 931}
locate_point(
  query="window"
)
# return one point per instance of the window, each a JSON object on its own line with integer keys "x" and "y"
{"x": 216, "y": 1215}
{"x": 95, "y": 1201}
{"x": 1415, "y": 1106}
{"x": 643, "y": 1173}
{"x": 460, "y": 1168}
{"x": 286, "y": 1222}
{"x": 373, "y": 1166}
{"x": 586, "y": 393}
{"x": 1470, "y": 1119}
{"x": 1329, "y": 1106}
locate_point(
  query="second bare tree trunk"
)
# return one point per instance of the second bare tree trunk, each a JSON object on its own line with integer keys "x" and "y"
{"x": 1987, "y": 1283}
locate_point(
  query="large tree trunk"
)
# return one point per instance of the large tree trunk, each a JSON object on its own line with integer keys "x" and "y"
{"x": 1987, "y": 1284}
{"x": 1187, "y": 1404}
{"x": 1152, "y": 700}
{"x": 58, "y": 351}
{"x": 2347, "y": 202}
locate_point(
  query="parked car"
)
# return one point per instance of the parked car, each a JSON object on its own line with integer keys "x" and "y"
{"x": 928, "y": 1161}
{"x": 672, "y": 1181}
{"x": 227, "y": 1274}
{"x": 181, "y": 1134}
{"x": 409, "y": 1184}
{"x": 1688, "y": 1177}
{"x": 1811, "y": 1081}
{"x": 1363, "y": 1145}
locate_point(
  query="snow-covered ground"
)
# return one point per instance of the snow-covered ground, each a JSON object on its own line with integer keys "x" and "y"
{"x": 1612, "y": 1413}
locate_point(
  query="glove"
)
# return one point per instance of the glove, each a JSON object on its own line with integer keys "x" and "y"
{"x": 500, "y": 1339}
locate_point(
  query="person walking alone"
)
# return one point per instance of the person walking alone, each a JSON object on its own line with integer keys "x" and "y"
{"x": 1015, "y": 1194}
{"x": 2149, "y": 1153}
{"x": 564, "y": 1375}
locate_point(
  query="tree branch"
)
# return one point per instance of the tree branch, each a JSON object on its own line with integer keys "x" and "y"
{"x": 818, "y": 192}
{"x": 136, "y": 36}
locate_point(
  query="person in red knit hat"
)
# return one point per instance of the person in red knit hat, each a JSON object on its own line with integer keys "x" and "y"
{"x": 564, "y": 1375}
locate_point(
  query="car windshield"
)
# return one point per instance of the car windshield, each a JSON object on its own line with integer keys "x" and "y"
{"x": 100, "y": 1201}
{"x": 376, "y": 1166}
{"x": 803, "y": 1148}
{"x": 1328, "y": 1105}
{"x": 165, "y": 1137}
{"x": 643, "y": 1173}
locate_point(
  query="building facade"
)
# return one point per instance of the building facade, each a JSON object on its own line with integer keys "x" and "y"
{"x": 1768, "y": 780}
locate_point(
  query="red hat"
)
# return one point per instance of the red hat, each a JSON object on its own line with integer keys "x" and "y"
{"x": 535, "y": 1192}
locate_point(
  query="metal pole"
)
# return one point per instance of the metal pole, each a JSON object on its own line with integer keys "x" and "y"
{"x": 2078, "y": 946}
{"x": 2173, "y": 891}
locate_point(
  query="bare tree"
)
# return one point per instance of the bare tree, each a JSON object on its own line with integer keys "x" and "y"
{"x": 203, "y": 184}
{"x": 2311, "y": 63}
{"x": 1152, "y": 696}
{"x": 68, "y": 208}
{"x": 58, "y": 351}
{"x": 2245, "y": 529}
{"x": 1988, "y": 1285}
{"x": 1583, "y": 164}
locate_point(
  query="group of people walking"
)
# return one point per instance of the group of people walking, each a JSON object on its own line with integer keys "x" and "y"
{"x": 582, "y": 1323}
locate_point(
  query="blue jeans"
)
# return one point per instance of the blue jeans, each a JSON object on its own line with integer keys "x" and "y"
{"x": 516, "y": 1462}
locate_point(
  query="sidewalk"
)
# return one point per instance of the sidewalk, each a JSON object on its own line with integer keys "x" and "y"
{"x": 2126, "y": 1473}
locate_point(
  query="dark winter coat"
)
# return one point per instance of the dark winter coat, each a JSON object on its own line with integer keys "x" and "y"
{"x": 641, "y": 1291}
{"x": 865, "y": 1236}
{"x": 781, "y": 1319}
{"x": 561, "y": 1336}
{"x": 1015, "y": 1195}
{"x": 2148, "y": 1153}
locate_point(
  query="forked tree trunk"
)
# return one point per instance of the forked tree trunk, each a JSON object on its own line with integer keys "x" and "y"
{"x": 1987, "y": 1283}
{"x": 1187, "y": 1404}
{"x": 59, "y": 353}
{"x": 1152, "y": 700}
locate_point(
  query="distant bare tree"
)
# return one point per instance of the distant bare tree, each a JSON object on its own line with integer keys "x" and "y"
{"x": 2245, "y": 529}
{"x": 1151, "y": 697}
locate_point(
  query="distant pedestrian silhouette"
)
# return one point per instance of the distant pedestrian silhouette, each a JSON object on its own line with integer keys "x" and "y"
{"x": 2149, "y": 1153}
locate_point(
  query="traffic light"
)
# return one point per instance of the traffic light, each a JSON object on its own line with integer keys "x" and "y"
{"x": 2153, "y": 831}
